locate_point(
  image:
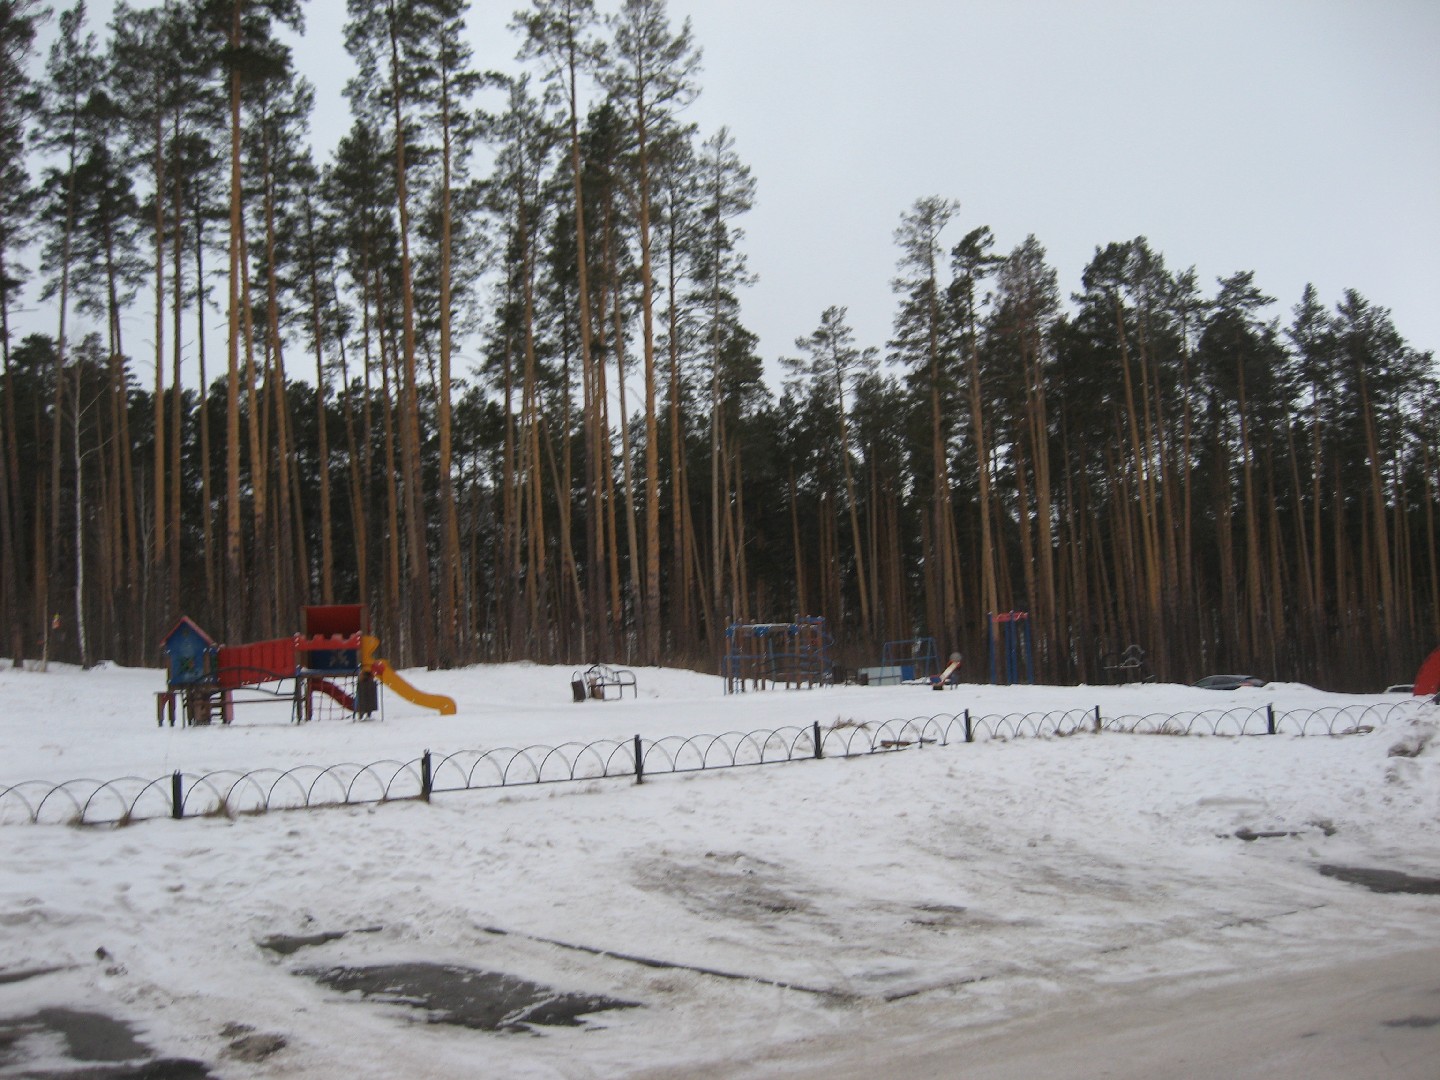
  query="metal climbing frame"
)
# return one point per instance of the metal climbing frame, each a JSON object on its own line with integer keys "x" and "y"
{"x": 1014, "y": 646}
{"x": 760, "y": 655}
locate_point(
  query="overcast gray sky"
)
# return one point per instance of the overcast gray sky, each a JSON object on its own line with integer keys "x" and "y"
{"x": 1299, "y": 139}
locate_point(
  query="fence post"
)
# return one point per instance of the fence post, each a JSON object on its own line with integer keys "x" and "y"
{"x": 639, "y": 762}
{"x": 1097, "y": 719}
{"x": 1270, "y": 719}
{"x": 177, "y": 796}
{"x": 427, "y": 783}
{"x": 969, "y": 733}
{"x": 815, "y": 735}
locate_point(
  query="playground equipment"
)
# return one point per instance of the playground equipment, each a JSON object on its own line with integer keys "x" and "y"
{"x": 1427, "y": 679}
{"x": 334, "y": 658}
{"x": 950, "y": 676}
{"x": 796, "y": 654}
{"x": 902, "y": 662}
{"x": 1127, "y": 667}
{"x": 1008, "y": 634}
{"x": 327, "y": 661}
{"x": 599, "y": 681}
{"x": 392, "y": 680}
{"x": 191, "y": 660}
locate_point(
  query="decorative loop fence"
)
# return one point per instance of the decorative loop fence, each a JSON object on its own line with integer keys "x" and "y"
{"x": 228, "y": 793}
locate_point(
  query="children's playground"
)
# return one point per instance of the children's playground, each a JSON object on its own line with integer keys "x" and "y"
{"x": 330, "y": 668}
{"x": 798, "y": 655}
{"x": 327, "y": 671}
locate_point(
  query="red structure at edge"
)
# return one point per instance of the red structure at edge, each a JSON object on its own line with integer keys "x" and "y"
{"x": 1427, "y": 679}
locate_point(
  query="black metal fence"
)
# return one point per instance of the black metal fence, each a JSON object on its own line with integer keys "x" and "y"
{"x": 234, "y": 792}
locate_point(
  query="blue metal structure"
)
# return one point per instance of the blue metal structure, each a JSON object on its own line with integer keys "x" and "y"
{"x": 1013, "y": 630}
{"x": 796, "y": 654}
{"x": 915, "y": 658}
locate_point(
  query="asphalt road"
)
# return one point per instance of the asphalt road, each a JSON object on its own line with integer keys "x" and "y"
{"x": 1372, "y": 1019}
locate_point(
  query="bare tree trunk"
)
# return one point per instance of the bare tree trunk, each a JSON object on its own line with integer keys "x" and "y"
{"x": 719, "y": 500}
{"x": 160, "y": 554}
{"x": 234, "y": 594}
{"x": 628, "y": 472}
{"x": 510, "y": 523}
{"x": 857, "y": 538}
{"x": 1432, "y": 493}
{"x": 317, "y": 333}
{"x": 262, "y": 611}
{"x": 1383, "y": 565}
{"x": 206, "y": 494}
{"x": 392, "y": 537}
{"x": 449, "y": 527}
{"x": 118, "y": 480}
{"x": 593, "y": 427}
{"x": 989, "y": 589}
{"x": 651, "y": 593}
{"x": 536, "y": 570}
{"x": 573, "y": 607}
{"x": 680, "y": 606}
{"x": 9, "y": 542}
{"x": 419, "y": 563}
{"x": 1253, "y": 574}
{"x": 1148, "y": 571}
{"x": 1043, "y": 600}
{"x": 358, "y": 467}
{"x": 58, "y": 416}
{"x": 177, "y": 292}
{"x": 81, "y": 639}
{"x": 948, "y": 605}
{"x": 12, "y": 572}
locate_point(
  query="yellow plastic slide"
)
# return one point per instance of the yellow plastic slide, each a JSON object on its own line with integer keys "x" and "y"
{"x": 391, "y": 678}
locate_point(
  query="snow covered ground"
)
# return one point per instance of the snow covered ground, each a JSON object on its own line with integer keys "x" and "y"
{"x": 1067, "y": 906}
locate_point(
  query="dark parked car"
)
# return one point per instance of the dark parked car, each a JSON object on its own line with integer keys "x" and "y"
{"x": 1228, "y": 682}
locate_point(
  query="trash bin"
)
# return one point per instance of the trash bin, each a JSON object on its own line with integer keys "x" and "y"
{"x": 367, "y": 695}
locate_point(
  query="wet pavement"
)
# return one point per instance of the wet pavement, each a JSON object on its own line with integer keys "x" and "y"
{"x": 1384, "y": 881}
{"x": 59, "y": 1043}
{"x": 1372, "y": 1017}
{"x": 467, "y": 997}
{"x": 91, "y": 1045}
{"x": 289, "y": 944}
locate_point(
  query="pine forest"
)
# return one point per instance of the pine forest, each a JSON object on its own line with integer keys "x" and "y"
{"x": 1135, "y": 458}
